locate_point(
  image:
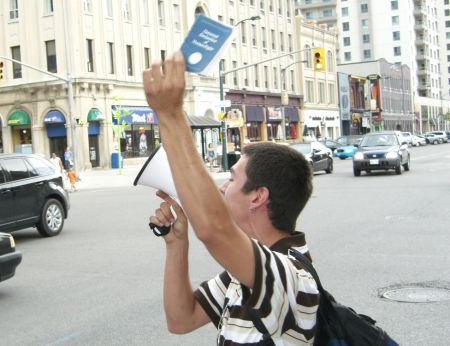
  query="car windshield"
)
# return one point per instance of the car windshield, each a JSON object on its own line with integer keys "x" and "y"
{"x": 303, "y": 148}
{"x": 379, "y": 140}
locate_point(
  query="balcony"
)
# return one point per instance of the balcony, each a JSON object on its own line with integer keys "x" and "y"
{"x": 422, "y": 72}
{"x": 422, "y": 42}
{"x": 420, "y": 27}
{"x": 305, "y": 4}
{"x": 421, "y": 56}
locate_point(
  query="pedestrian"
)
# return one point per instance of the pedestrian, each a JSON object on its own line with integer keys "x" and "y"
{"x": 72, "y": 179}
{"x": 219, "y": 156}
{"x": 57, "y": 163}
{"x": 68, "y": 159}
{"x": 247, "y": 226}
{"x": 211, "y": 156}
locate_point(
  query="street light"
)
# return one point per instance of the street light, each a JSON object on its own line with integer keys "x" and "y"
{"x": 222, "y": 98}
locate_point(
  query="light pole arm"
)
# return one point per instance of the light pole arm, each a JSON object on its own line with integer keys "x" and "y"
{"x": 34, "y": 68}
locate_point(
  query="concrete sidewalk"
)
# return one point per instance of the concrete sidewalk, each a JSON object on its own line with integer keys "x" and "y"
{"x": 104, "y": 178}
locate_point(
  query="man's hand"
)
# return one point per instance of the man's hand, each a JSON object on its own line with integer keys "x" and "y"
{"x": 165, "y": 91}
{"x": 164, "y": 217}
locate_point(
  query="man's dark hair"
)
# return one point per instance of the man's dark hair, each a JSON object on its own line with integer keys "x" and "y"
{"x": 286, "y": 174}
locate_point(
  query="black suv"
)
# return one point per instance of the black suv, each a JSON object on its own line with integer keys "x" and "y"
{"x": 31, "y": 194}
{"x": 9, "y": 257}
{"x": 379, "y": 151}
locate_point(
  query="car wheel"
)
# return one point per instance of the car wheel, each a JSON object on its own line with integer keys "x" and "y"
{"x": 52, "y": 218}
{"x": 398, "y": 169}
{"x": 435, "y": 142}
{"x": 407, "y": 165}
{"x": 342, "y": 157}
{"x": 330, "y": 166}
{"x": 356, "y": 172}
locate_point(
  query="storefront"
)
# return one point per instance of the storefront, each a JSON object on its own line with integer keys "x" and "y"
{"x": 94, "y": 118}
{"x": 140, "y": 133}
{"x": 20, "y": 124}
{"x": 235, "y": 122}
{"x": 254, "y": 117}
{"x": 1, "y": 136}
{"x": 274, "y": 123}
{"x": 55, "y": 123}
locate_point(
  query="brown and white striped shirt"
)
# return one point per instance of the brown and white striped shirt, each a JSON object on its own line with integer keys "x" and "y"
{"x": 284, "y": 295}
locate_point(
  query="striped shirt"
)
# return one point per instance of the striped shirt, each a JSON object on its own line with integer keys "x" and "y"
{"x": 284, "y": 295}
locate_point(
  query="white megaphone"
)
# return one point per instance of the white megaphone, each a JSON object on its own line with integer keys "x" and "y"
{"x": 156, "y": 173}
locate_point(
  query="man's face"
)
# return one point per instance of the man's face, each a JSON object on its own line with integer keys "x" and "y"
{"x": 237, "y": 202}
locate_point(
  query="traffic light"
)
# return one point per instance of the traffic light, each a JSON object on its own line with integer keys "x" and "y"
{"x": 1, "y": 70}
{"x": 319, "y": 59}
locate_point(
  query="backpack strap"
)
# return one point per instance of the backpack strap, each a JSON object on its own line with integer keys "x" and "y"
{"x": 308, "y": 265}
{"x": 267, "y": 338}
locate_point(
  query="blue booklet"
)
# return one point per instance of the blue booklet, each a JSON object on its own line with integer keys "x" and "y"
{"x": 205, "y": 44}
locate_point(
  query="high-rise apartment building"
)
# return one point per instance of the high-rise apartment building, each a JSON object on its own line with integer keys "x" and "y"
{"x": 443, "y": 11}
{"x": 99, "y": 49}
{"x": 404, "y": 32}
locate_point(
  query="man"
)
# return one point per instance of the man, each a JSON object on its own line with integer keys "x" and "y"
{"x": 255, "y": 209}
{"x": 68, "y": 159}
{"x": 57, "y": 163}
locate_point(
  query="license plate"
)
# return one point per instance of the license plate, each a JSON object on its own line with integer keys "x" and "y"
{"x": 374, "y": 162}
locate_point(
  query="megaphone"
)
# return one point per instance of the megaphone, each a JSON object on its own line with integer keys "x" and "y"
{"x": 156, "y": 173}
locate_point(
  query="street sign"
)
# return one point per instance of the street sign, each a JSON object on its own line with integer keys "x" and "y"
{"x": 373, "y": 77}
{"x": 223, "y": 104}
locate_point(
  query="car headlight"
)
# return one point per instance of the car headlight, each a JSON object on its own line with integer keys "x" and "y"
{"x": 358, "y": 156}
{"x": 392, "y": 155}
{"x": 12, "y": 242}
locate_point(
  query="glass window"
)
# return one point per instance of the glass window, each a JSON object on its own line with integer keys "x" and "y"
{"x": 347, "y": 56}
{"x": 130, "y": 60}
{"x": 266, "y": 76}
{"x": 281, "y": 41}
{"x": 327, "y": 12}
{"x": 17, "y": 68}
{"x": 41, "y": 167}
{"x": 127, "y": 11}
{"x": 50, "y": 49}
{"x": 272, "y": 33}
{"x": 309, "y": 91}
{"x": 108, "y": 8}
{"x": 256, "y": 76}
{"x": 17, "y": 169}
{"x": 396, "y": 35}
{"x": 346, "y": 41}
{"x": 90, "y": 55}
{"x": 145, "y": 12}
{"x": 48, "y": 6}
{"x": 364, "y": 8}
{"x": 397, "y": 51}
{"x": 366, "y": 38}
{"x": 147, "y": 58}
{"x": 394, "y": 5}
{"x": 395, "y": 20}
{"x": 161, "y": 14}
{"x": 110, "y": 57}
{"x": 321, "y": 87}
{"x": 176, "y": 17}
{"x": 254, "y": 42}
{"x": 263, "y": 37}
{"x": 344, "y": 11}
{"x": 330, "y": 62}
{"x": 243, "y": 33}
{"x": 367, "y": 54}
{"x": 365, "y": 23}
{"x": 331, "y": 93}
{"x": 275, "y": 78}
{"x": 87, "y": 6}
{"x": 345, "y": 26}
{"x": 307, "y": 56}
{"x": 13, "y": 9}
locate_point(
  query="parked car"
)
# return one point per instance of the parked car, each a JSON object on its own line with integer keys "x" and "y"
{"x": 348, "y": 146}
{"x": 10, "y": 258}
{"x": 318, "y": 155}
{"x": 442, "y": 135}
{"x": 418, "y": 140}
{"x": 31, "y": 194}
{"x": 381, "y": 151}
{"x": 431, "y": 138}
{"x": 407, "y": 137}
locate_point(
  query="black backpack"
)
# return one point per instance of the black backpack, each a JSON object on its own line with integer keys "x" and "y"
{"x": 337, "y": 325}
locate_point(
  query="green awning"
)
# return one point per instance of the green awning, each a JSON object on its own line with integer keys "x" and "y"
{"x": 95, "y": 115}
{"x": 19, "y": 118}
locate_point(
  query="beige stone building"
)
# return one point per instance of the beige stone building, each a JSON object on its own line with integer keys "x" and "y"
{"x": 109, "y": 43}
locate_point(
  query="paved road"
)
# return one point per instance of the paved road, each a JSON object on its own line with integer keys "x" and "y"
{"x": 100, "y": 281}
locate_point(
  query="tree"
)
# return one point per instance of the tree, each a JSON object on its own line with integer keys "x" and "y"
{"x": 118, "y": 114}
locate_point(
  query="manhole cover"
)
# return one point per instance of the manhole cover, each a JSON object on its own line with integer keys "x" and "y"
{"x": 417, "y": 294}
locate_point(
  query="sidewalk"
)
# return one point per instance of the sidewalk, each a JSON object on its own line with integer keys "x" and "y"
{"x": 100, "y": 178}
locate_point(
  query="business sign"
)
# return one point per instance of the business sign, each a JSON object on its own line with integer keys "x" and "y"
{"x": 273, "y": 113}
{"x": 344, "y": 96}
{"x": 134, "y": 115}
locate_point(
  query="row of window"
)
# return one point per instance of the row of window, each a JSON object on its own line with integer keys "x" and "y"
{"x": 321, "y": 95}
{"x": 367, "y": 54}
{"x": 365, "y": 8}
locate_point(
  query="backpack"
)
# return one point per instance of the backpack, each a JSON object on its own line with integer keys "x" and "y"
{"x": 337, "y": 325}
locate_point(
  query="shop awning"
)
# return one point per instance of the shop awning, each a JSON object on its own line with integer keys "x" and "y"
{"x": 95, "y": 115}
{"x": 291, "y": 114}
{"x": 19, "y": 118}
{"x": 203, "y": 122}
{"x": 254, "y": 113}
{"x": 54, "y": 117}
{"x": 135, "y": 115}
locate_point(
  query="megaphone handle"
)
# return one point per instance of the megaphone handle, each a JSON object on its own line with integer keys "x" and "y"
{"x": 159, "y": 231}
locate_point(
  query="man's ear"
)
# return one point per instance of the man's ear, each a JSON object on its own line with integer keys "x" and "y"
{"x": 260, "y": 197}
